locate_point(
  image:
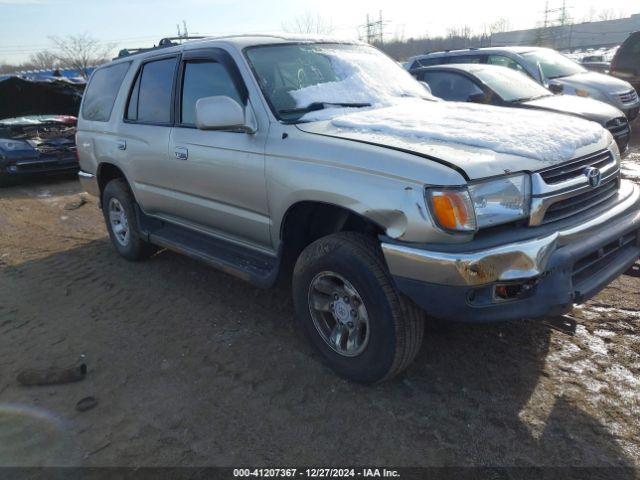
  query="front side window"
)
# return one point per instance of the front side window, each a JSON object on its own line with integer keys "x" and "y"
{"x": 451, "y": 86}
{"x": 510, "y": 85}
{"x": 204, "y": 79}
{"x": 303, "y": 78}
{"x": 553, "y": 64}
{"x": 150, "y": 99}
{"x": 102, "y": 92}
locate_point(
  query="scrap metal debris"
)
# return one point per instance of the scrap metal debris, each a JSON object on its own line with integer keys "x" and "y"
{"x": 52, "y": 375}
{"x": 76, "y": 204}
{"x": 87, "y": 403}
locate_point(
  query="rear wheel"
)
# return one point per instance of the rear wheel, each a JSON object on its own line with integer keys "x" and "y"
{"x": 118, "y": 208}
{"x": 348, "y": 306}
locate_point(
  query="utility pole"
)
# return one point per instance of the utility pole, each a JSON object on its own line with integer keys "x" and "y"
{"x": 185, "y": 33}
{"x": 374, "y": 30}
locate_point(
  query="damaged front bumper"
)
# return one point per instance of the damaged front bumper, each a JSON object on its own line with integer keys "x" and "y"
{"x": 521, "y": 279}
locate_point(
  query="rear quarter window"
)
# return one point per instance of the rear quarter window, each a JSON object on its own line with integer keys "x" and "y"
{"x": 102, "y": 91}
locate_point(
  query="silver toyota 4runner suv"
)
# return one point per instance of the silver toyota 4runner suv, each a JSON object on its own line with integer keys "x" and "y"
{"x": 325, "y": 162}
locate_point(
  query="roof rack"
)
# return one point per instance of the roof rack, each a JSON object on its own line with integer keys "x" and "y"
{"x": 163, "y": 43}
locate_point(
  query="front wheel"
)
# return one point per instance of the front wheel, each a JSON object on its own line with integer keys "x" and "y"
{"x": 348, "y": 306}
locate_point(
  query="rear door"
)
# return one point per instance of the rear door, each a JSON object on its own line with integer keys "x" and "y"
{"x": 218, "y": 176}
{"x": 144, "y": 134}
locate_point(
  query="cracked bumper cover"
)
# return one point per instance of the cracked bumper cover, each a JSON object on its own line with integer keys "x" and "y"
{"x": 460, "y": 285}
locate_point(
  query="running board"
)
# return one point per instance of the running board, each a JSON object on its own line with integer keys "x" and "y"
{"x": 247, "y": 264}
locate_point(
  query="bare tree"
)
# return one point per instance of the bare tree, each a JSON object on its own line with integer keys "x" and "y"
{"x": 611, "y": 14}
{"x": 80, "y": 52}
{"x": 309, "y": 24}
{"x": 500, "y": 25}
{"x": 43, "y": 60}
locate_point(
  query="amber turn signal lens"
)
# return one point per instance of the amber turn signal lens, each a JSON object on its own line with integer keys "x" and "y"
{"x": 452, "y": 209}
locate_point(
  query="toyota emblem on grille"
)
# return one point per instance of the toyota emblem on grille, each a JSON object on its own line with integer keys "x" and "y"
{"x": 593, "y": 175}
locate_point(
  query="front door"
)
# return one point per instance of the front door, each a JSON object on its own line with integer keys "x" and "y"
{"x": 219, "y": 176}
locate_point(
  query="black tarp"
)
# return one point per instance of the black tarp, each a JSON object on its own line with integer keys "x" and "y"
{"x": 19, "y": 97}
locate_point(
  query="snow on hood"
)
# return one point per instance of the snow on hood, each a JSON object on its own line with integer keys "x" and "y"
{"x": 543, "y": 136}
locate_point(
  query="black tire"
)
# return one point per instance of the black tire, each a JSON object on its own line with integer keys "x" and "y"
{"x": 396, "y": 325}
{"x": 7, "y": 180}
{"x": 135, "y": 247}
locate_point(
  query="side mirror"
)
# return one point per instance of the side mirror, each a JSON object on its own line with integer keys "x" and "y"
{"x": 556, "y": 87}
{"x": 221, "y": 113}
{"x": 426, "y": 87}
{"x": 477, "y": 98}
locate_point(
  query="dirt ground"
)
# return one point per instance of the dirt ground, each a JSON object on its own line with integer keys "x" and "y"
{"x": 193, "y": 367}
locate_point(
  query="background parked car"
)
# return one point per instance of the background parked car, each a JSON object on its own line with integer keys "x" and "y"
{"x": 547, "y": 67}
{"x": 626, "y": 62}
{"x": 501, "y": 86}
{"x": 595, "y": 63}
{"x": 37, "y": 127}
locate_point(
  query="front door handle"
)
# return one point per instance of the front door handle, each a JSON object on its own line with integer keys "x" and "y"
{"x": 181, "y": 153}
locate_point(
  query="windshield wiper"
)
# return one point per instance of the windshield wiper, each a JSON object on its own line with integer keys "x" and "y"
{"x": 527, "y": 99}
{"x": 312, "y": 107}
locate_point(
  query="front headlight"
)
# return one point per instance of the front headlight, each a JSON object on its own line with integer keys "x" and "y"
{"x": 481, "y": 204}
{"x": 590, "y": 93}
{"x": 11, "y": 145}
{"x": 501, "y": 200}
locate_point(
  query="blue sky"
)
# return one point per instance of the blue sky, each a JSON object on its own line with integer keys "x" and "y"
{"x": 28, "y": 24}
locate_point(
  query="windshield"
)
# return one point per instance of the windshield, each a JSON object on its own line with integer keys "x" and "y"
{"x": 553, "y": 64}
{"x": 303, "y": 78}
{"x": 511, "y": 85}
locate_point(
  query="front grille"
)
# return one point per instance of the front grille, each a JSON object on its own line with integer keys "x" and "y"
{"x": 618, "y": 126}
{"x": 582, "y": 202}
{"x": 48, "y": 149}
{"x": 629, "y": 97}
{"x": 574, "y": 169}
{"x": 593, "y": 263}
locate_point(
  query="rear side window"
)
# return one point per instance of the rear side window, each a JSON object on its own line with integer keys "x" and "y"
{"x": 204, "y": 79}
{"x": 150, "y": 99}
{"x": 450, "y": 86}
{"x": 102, "y": 92}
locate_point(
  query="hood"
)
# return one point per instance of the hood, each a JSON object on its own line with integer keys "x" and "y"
{"x": 606, "y": 83}
{"x": 479, "y": 140}
{"x": 584, "y": 107}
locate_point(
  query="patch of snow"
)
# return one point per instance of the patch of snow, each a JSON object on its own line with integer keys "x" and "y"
{"x": 366, "y": 76}
{"x": 618, "y": 311}
{"x": 592, "y": 342}
{"x": 604, "y": 333}
{"x": 630, "y": 167}
{"x": 535, "y": 134}
{"x": 623, "y": 381}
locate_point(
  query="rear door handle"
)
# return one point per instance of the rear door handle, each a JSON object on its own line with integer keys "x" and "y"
{"x": 181, "y": 153}
{"x": 122, "y": 144}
